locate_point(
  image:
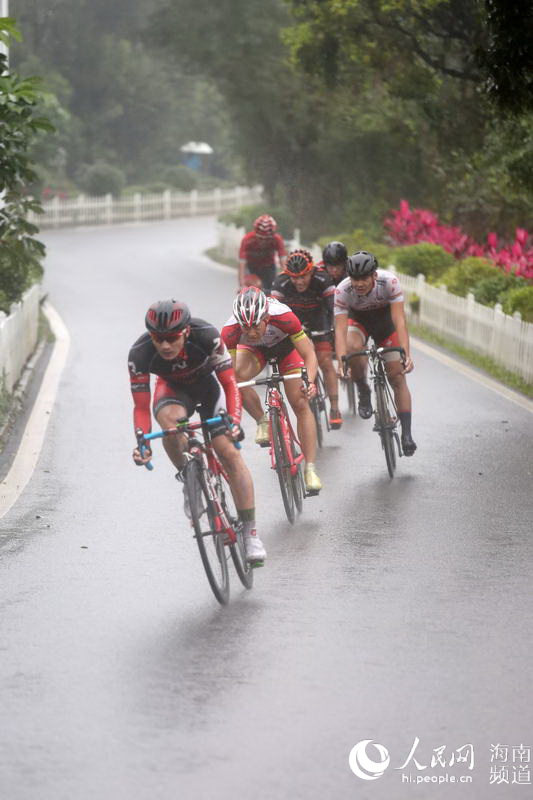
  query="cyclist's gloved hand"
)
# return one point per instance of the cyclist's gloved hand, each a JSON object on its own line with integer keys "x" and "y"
{"x": 141, "y": 460}
{"x": 308, "y": 390}
{"x": 408, "y": 365}
{"x": 236, "y": 433}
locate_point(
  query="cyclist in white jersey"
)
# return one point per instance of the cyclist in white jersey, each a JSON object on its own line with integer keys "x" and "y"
{"x": 369, "y": 302}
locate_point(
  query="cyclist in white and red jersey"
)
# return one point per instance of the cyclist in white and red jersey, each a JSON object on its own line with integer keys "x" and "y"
{"x": 369, "y": 302}
{"x": 262, "y": 328}
{"x": 259, "y": 251}
{"x": 192, "y": 365}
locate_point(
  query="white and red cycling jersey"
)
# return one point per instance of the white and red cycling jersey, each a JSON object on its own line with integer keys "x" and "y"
{"x": 370, "y": 312}
{"x": 281, "y": 323}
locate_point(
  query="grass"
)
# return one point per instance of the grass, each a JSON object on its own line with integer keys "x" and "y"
{"x": 484, "y": 363}
{"x": 5, "y": 401}
{"x": 214, "y": 254}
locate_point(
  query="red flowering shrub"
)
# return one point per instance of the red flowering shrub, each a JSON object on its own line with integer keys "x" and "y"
{"x": 411, "y": 226}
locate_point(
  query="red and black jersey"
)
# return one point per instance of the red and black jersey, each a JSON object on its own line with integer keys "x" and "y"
{"x": 314, "y": 306}
{"x": 259, "y": 253}
{"x": 204, "y": 353}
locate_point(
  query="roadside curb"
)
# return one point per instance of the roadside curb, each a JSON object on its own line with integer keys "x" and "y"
{"x": 32, "y": 438}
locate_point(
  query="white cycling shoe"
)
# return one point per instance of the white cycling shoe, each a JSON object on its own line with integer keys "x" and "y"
{"x": 254, "y": 548}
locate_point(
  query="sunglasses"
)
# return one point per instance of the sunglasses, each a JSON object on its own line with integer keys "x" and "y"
{"x": 166, "y": 337}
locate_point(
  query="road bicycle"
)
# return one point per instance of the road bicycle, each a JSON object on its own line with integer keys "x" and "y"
{"x": 318, "y": 402}
{"x": 285, "y": 450}
{"x": 217, "y": 528}
{"x": 385, "y": 412}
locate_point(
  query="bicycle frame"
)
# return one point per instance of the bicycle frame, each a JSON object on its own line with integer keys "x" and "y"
{"x": 204, "y": 452}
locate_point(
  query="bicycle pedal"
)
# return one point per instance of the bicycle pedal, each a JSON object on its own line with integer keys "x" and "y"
{"x": 264, "y": 444}
{"x": 256, "y": 564}
{"x": 311, "y": 492}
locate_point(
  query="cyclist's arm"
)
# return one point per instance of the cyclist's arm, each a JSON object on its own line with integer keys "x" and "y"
{"x": 397, "y": 311}
{"x": 341, "y": 335}
{"x": 227, "y": 378}
{"x": 305, "y": 348}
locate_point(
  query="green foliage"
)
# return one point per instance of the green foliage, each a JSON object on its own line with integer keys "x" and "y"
{"x": 20, "y": 253}
{"x": 489, "y": 291}
{"x": 466, "y": 274}
{"x": 101, "y": 178}
{"x": 245, "y": 216}
{"x": 181, "y": 177}
{"x": 519, "y": 299}
{"x": 427, "y": 259}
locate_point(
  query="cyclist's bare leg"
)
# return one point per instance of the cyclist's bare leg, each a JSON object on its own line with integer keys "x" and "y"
{"x": 176, "y": 445}
{"x": 247, "y": 367}
{"x": 305, "y": 420}
{"x": 359, "y": 365}
{"x": 402, "y": 395}
{"x": 325, "y": 362}
{"x": 239, "y": 477}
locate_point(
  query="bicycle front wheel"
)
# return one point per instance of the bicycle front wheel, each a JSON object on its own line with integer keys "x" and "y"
{"x": 350, "y": 391}
{"x": 210, "y": 541}
{"x": 385, "y": 428}
{"x": 282, "y": 462}
{"x": 315, "y": 408}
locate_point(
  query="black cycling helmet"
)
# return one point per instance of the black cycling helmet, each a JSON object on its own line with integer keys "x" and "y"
{"x": 334, "y": 254}
{"x": 361, "y": 264}
{"x": 167, "y": 316}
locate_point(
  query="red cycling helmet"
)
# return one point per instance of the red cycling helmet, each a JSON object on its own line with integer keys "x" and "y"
{"x": 250, "y": 307}
{"x": 167, "y": 316}
{"x": 265, "y": 226}
{"x": 298, "y": 262}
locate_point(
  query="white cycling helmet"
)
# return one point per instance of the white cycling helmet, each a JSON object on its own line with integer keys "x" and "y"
{"x": 250, "y": 307}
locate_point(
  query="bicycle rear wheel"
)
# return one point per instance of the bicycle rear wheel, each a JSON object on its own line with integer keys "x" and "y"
{"x": 238, "y": 554}
{"x": 282, "y": 461}
{"x": 204, "y": 520}
{"x": 385, "y": 428}
{"x": 315, "y": 408}
{"x": 298, "y": 483}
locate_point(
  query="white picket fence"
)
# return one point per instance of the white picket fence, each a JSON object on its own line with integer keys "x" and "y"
{"x": 507, "y": 340}
{"x": 18, "y": 336}
{"x": 109, "y": 210}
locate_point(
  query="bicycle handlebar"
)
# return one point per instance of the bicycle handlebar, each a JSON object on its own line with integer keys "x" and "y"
{"x": 272, "y": 380}
{"x": 182, "y": 425}
{"x": 371, "y": 351}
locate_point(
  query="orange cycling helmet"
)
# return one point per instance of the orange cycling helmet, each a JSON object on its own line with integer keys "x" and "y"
{"x": 265, "y": 226}
{"x": 298, "y": 262}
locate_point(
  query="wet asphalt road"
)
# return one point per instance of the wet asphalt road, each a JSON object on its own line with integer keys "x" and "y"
{"x": 391, "y": 611}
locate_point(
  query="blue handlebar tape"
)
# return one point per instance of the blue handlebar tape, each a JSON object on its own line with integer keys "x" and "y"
{"x": 148, "y": 465}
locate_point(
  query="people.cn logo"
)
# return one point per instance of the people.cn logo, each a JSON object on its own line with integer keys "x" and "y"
{"x": 363, "y": 766}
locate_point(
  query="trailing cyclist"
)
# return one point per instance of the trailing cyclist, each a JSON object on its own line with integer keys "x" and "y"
{"x": 309, "y": 293}
{"x": 262, "y": 328}
{"x": 334, "y": 259}
{"x": 259, "y": 251}
{"x": 369, "y": 302}
{"x": 192, "y": 366}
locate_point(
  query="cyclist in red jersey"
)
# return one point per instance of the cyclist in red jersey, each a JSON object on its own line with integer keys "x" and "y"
{"x": 369, "y": 302}
{"x": 259, "y": 251}
{"x": 192, "y": 364}
{"x": 262, "y": 328}
{"x": 309, "y": 292}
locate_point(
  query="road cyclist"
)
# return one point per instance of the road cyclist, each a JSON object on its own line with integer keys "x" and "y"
{"x": 369, "y": 302}
{"x": 334, "y": 258}
{"x": 309, "y": 293}
{"x": 192, "y": 366}
{"x": 261, "y": 251}
{"x": 262, "y": 328}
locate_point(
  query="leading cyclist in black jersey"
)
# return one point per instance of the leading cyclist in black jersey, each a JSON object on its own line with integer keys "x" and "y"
{"x": 309, "y": 293}
{"x": 192, "y": 366}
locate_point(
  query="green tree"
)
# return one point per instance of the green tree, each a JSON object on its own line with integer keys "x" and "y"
{"x": 20, "y": 252}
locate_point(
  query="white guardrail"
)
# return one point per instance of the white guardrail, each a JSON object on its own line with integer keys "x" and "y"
{"x": 18, "y": 336}
{"x": 109, "y": 210}
{"x": 506, "y": 339}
